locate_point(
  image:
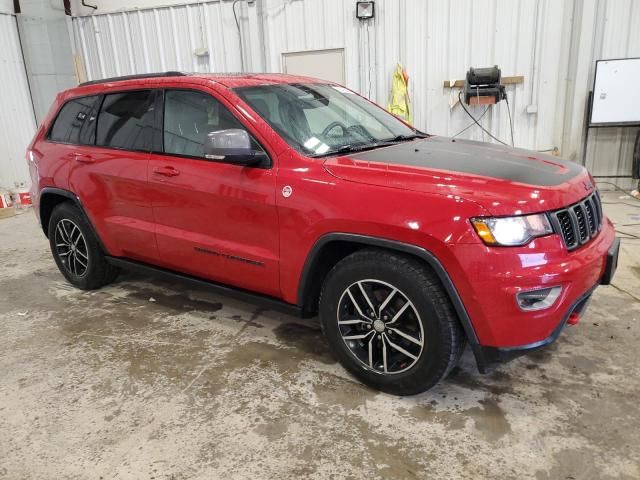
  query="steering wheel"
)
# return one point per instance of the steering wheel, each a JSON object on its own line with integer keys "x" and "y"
{"x": 333, "y": 125}
{"x": 360, "y": 131}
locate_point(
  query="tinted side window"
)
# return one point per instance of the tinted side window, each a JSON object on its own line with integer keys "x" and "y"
{"x": 76, "y": 122}
{"x": 126, "y": 120}
{"x": 189, "y": 116}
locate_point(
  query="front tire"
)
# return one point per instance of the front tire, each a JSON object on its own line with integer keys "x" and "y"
{"x": 76, "y": 249}
{"x": 389, "y": 322}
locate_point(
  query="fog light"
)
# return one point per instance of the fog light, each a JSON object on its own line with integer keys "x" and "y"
{"x": 538, "y": 299}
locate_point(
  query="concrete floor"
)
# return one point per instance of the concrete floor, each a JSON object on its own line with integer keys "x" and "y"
{"x": 144, "y": 379}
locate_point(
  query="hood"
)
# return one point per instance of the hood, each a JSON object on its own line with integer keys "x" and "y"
{"x": 504, "y": 180}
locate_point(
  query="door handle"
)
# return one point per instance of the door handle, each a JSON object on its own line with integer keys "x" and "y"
{"x": 82, "y": 158}
{"x": 166, "y": 171}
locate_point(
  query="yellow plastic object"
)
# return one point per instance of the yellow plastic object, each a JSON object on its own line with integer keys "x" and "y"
{"x": 484, "y": 232}
{"x": 399, "y": 100}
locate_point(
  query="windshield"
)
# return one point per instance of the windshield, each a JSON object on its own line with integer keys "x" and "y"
{"x": 319, "y": 119}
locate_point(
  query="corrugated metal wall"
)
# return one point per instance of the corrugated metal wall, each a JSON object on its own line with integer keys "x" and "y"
{"x": 196, "y": 38}
{"x": 554, "y": 44}
{"x": 17, "y": 121}
{"x": 444, "y": 38}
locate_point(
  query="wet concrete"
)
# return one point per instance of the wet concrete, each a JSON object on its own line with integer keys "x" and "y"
{"x": 147, "y": 379}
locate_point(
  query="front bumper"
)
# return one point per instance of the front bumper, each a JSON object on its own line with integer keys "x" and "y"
{"x": 489, "y": 278}
{"x": 490, "y": 357}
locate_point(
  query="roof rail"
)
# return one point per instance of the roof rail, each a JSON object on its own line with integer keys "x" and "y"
{"x": 133, "y": 77}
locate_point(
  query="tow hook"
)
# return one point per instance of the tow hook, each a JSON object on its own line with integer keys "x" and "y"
{"x": 573, "y": 318}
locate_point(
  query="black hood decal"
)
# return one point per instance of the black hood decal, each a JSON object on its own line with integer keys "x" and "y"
{"x": 476, "y": 158}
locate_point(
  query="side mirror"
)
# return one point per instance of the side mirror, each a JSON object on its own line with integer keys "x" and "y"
{"x": 232, "y": 145}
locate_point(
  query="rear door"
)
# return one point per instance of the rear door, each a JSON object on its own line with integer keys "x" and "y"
{"x": 213, "y": 220}
{"x": 110, "y": 174}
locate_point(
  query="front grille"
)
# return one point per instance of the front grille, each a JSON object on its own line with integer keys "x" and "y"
{"x": 580, "y": 222}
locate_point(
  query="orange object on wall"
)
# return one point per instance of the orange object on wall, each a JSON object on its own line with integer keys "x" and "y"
{"x": 482, "y": 101}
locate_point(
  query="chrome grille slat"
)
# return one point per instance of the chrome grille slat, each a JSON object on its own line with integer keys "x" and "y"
{"x": 577, "y": 224}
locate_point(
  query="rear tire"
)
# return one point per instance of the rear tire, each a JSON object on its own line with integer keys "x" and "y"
{"x": 76, "y": 249}
{"x": 389, "y": 322}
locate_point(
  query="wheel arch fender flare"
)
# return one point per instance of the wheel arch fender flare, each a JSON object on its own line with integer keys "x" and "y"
{"x": 306, "y": 278}
{"x": 73, "y": 198}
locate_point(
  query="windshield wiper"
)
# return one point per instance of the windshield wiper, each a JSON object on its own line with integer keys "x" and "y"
{"x": 351, "y": 148}
{"x": 403, "y": 138}
{"x": 359, "y": 147}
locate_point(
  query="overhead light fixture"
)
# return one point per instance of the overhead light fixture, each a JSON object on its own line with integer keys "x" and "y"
{"x": 365, "y": 10}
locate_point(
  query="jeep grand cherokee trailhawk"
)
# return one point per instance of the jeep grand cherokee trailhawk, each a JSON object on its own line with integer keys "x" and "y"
{"x": 298, "y": 192}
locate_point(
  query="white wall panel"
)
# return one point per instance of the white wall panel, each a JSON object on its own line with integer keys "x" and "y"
{"x": 47, "y": 51}
{"x": 442, "y": 39}
{"x": 17, "y": 122}
{"x": 6, "y": 6}
{"x": 199, "y": 37}
{"x": 553, "y": 43}
{"x": 293, "y": 26}
{"x": 437, "y": 41}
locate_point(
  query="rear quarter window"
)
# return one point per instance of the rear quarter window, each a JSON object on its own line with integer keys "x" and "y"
{"x": 76, "y": 122}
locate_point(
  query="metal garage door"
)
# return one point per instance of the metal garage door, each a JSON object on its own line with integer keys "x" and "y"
{"x": 17, "y": 122}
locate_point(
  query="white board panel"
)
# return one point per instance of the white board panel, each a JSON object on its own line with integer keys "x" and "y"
{"x": 323, "y": 64}
{"x": 616, "y": 97}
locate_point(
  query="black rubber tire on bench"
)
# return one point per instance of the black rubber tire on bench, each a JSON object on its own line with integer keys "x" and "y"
{"x": 429, "y": 318}
{"x": 76, "y": 249}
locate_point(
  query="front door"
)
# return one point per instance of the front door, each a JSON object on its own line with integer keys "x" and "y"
{"x": 213, "y": 220}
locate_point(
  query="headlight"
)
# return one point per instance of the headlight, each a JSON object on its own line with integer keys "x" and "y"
{"x": 512, "y": 231}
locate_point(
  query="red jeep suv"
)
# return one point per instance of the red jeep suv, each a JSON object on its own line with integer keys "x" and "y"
{"x": 300, "y": 193}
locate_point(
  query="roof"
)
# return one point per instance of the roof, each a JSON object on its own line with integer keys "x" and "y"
{"x": 230, "y": 80}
